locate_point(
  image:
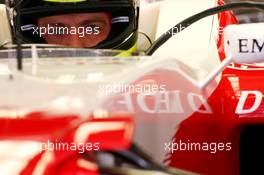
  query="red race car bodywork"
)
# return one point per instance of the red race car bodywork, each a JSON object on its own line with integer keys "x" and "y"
{"x": 233, "y": 128}
{"x": 58, "y": 140}
{"x": 237, "y": 104}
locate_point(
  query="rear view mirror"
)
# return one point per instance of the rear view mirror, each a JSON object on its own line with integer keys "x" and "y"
{"x": 245, "y": 42}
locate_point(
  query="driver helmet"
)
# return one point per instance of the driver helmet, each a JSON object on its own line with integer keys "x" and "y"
{"x": 98, "y": 24}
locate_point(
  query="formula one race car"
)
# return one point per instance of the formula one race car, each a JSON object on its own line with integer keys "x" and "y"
{"x": 71, "y": 111}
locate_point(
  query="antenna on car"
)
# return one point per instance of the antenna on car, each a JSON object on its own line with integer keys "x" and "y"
{"x": 19, "y": 55}
{"x": 192, "y": 19}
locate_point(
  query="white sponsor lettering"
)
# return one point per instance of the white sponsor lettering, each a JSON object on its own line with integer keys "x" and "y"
{"x": 191, "y": 98}
{"x": 242, "y": 101}
{"x": 168, "y": 102}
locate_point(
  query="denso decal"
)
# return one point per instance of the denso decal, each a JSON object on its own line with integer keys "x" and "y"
{"x": 166, "y": 102}
{"x": 243, "y": 107}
